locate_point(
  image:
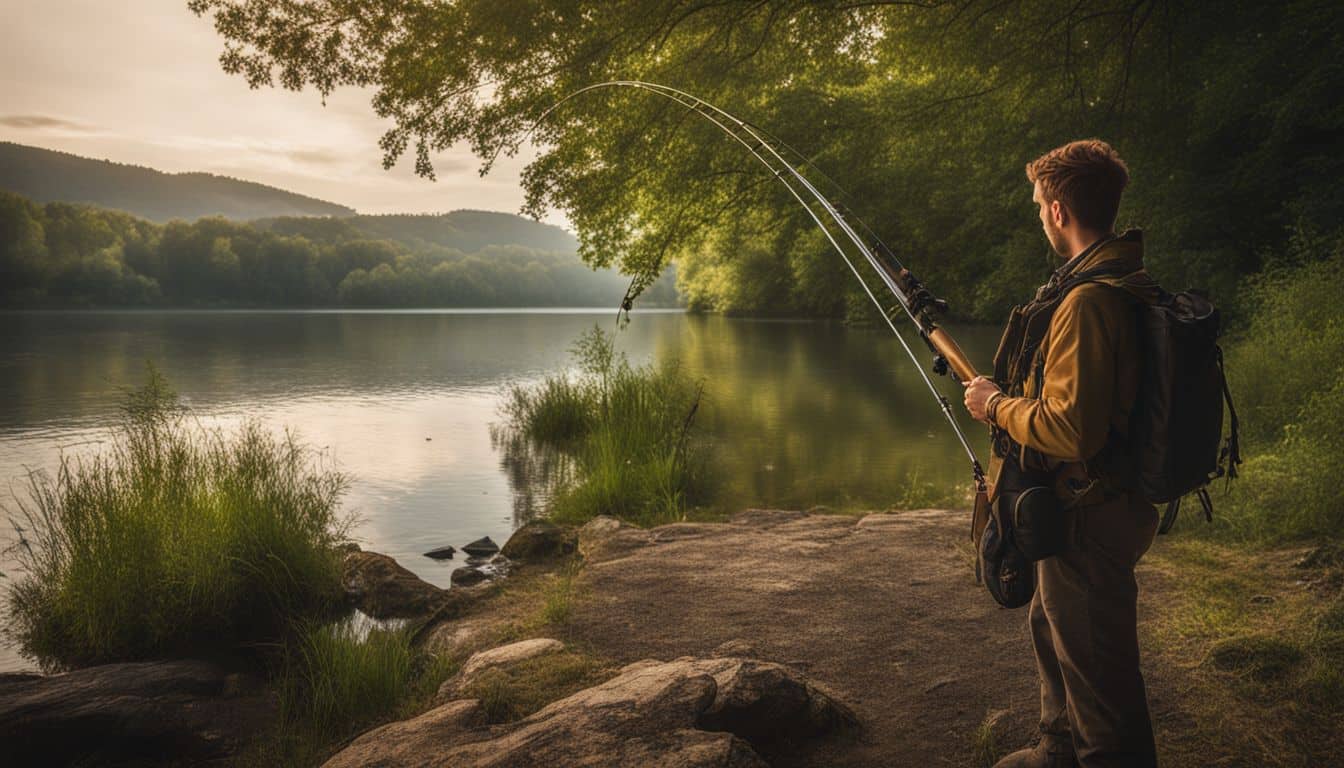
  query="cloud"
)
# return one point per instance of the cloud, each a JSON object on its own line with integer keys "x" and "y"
{"x": 44, "y": 123}
{"x": 317, "y": 156}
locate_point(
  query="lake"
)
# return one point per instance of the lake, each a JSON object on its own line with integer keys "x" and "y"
{"x": 801, "y": 413}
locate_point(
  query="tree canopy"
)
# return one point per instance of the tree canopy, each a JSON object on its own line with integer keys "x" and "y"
{"x": 924, "y": 111}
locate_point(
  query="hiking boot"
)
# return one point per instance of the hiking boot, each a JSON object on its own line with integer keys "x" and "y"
{"x": 1051, "y": 752}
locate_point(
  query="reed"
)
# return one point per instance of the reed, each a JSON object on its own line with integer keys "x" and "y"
{"x": 174, "y": 540}
{"x": 627, "y": 431}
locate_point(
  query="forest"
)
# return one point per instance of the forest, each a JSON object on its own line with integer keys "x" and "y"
{"x": 64, "y": 255}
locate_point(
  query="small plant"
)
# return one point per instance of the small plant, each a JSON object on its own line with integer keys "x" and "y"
{"x": 335, "y": 677}
{"x": 175, "y": 540}
{"x": 558, "y": 594}
{"x": 984, "y": 741}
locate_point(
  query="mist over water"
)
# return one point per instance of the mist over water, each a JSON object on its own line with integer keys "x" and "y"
{"x": 801, "y": 413}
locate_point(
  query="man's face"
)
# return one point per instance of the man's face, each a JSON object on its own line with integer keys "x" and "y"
{"x": 1047, "y": 211}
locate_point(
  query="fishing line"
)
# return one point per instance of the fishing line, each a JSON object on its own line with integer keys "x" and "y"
{"x": 761, "y": 140}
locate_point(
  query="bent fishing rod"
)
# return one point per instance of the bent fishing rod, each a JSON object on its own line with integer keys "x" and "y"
{"x": 911, "y": 296}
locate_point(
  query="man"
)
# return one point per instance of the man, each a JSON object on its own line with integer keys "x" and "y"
{"x": 1076, "y": 393}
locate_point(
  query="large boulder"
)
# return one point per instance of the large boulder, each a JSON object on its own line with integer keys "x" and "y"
{"x": 540, "y": 540}
{"x": 380, "y": 587}
{"x": 687, "y": 713}
{"x": 503, "y": 656}
{"x": 163, "y": 710}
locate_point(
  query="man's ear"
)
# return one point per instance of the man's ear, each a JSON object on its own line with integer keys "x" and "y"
{"x": 1059, "y": 213}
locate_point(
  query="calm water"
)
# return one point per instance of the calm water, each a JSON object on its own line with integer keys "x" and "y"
{"x": 802, "y": 413}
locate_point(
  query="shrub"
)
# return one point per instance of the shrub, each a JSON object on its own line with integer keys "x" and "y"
{"x": 1287, "y": 375}
{"x": 176, "y": 539}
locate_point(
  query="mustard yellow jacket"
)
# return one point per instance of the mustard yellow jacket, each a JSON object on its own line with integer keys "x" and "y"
{"x": 1089, "y": 376}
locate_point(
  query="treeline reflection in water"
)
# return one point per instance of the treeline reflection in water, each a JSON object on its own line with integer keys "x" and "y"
{"x": 800, "y": 413}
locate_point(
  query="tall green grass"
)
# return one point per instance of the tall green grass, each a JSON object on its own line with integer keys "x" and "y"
{"x": 174, "y": 540}
{"x": 335, "y": 677}
{"x": 1286, "y": 371}
{"x": 627, "y": 431}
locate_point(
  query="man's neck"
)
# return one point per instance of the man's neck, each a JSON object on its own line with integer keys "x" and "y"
{"x": 1083, "y": 241}
{"x": 1079, "y": 246}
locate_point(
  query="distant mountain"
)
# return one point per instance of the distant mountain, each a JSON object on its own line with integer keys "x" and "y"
{"x": 44, "y": 175}
{"x": 465, "y": 230}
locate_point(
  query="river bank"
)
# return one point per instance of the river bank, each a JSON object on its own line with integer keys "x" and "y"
{"x": 875, "y": 618}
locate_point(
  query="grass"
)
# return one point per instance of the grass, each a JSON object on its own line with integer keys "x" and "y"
{"x": 336, "y": 678}
{"x": 558, "y": 595}
{"x": 516, "y": 691}
{"x": 985, "y": 748}
{"x": 176, "y": 540}
{"x": 1258, "y": 646}
{"x": 626, "y": 432}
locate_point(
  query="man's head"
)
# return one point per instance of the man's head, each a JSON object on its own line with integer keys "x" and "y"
{"x": 1077, "y": 187}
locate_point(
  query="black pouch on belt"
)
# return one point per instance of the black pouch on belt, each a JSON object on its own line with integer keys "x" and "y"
{"x": 1026, "y": 525}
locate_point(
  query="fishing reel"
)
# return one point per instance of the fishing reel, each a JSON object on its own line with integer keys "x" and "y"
{"x": 922, "y": 301}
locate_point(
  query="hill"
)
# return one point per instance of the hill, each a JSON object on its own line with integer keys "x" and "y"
{"x": 464, "y": 230}
{"x": 45, "y": 175}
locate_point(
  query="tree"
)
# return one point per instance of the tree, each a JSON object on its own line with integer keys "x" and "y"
{"x": 926, "y": 111}
{"x": 23, "y": 248}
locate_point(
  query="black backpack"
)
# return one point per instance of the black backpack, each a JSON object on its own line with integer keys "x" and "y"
{"x": 1175, "y": 436}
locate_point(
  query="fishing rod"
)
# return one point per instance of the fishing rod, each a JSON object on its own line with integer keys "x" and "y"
{"x": 918, "y": 303}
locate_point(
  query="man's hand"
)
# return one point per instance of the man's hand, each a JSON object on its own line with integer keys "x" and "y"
{"x": 978, "y": 392}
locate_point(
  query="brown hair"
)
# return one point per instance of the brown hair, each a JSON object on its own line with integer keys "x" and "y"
{"x": 1086, "y": 176}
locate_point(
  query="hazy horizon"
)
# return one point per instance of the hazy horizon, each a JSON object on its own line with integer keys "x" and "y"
{"x": 87, "y": 78}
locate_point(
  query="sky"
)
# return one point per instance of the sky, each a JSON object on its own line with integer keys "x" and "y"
{"x": 139, "y": 82}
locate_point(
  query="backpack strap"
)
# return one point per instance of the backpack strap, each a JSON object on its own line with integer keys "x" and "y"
{"x": 1230, "y": 456}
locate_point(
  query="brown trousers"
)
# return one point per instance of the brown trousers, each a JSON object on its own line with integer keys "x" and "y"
{"x": 1084, "y": 629}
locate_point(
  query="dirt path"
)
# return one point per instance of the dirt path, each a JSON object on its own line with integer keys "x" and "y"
{"x": 881, "y": 609}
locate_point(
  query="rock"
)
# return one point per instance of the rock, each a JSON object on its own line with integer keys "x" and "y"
{"x": 764, "y": 702}
{"x": 442, "y": 553}
{"x": 503, "y": 656}
{"x": 456, "y": 603}
{"x": 180, "y": 710}
{"x": 1323, "y": 556}
{"x": 687, "y": 713}
{"x": 766, "y": 518}
{"x": 482, "y": 547}
{"x": 411, "y": 742}
{"x": 480, "y": 569}
{"x": 606, "y": 538}
{"x": 539, "y": 540}
{"x": 468, "y": 575}
{"x": 733, "y": 648}
{"x": 381, "y": 588}
{"x": 456, "y": 638}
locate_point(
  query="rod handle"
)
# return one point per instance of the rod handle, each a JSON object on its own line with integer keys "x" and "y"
{"x": 956, "y": 359}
